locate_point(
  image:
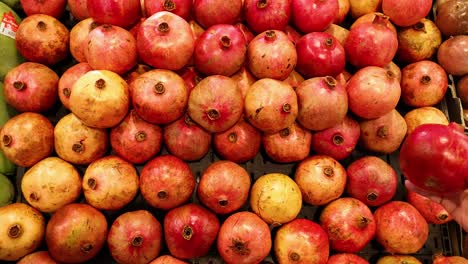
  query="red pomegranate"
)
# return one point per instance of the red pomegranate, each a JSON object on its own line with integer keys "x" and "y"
{"x": 122, "y": 13}
{"x": 244, "y": 238}
{"x": 271, "y": 55}
{"x": 224, "y": 187}
{"x": 432, "y": 211}
{"x": 340, "y": 33}
{"x": 167, "y": 259}
{"x": 38, "y": 257}
{"x": 190, "y": 231}
{"x": 440, "y": 259}
{"x": 31, "y": 87}
{"x": 452, "y": 55}
{"x": 79, "y": 38}
{"x": 78, "y": 9}
{"x": 323, "y": 103}
{"x": 301, "y": 241}
{"x": 213, "y": 12}
{"x": 343, "y": 9}
{"x": 262, "y": 15}
{"x": 348, "y": 258}
{"x": 191, "y": 77}
{"x": 323, "y": 12}
{"x": 166, "y": 182}
{"x": 181, "y": 8}
{"x": 248, "y": 35}
{"x": 270, "y": 105}
{"x": 406, "y": 12}
{"x": 135, "y": 237}
{"x": 53, "y": 8}
{"x": 292, "y": 34}
{"x": 338, "y": 141}
{"x": 371, "y": 16}
{"x": 68, "y": 79}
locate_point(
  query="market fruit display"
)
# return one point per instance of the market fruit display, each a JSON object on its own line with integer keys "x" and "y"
{"x": 243, "y": 131}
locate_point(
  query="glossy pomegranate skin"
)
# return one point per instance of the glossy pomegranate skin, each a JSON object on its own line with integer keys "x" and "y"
{"x": 190, "y": 230}
{"x": 211, "y": 12}
{"x": 432, "y": 211}
{"x": 122, "y": 13}
{"x": 79, "y": 38}
{"x": 262, "y": 15}
{"x": 319, "y": 54}
{"x": 78, "y": 9}
{"x": 348, "y": 258}
{"x": 53, "y": 8}
{"x": 323, "y": 12}
{"x": 181, "y": 8}
{"x": 406, "y": 13}
{"x": 68, "y": 78}
{"x": 38, "y": 257}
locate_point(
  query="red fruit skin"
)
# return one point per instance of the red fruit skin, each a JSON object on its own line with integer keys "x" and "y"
{"x": 68, "y": 78}
{"x": 346, "y": 258}
{"x": 122, "y": 13}
{"x": 247, "y": 231}
{"x": 190, "y": 230}
{"x": 167, "y": 259}
{"x": 53, "y": 8}
{"x": 221, "y": 49}
{"x": 191, "y": 77}
{"x": 440, "y": 259}
{"x": 79, "y": 9}
{"x": 407, "y": 12}
{"x": 165, "y": 41}
{"x": 181, "y": 8}
{"x": 212, "y": 12}
{"x": 323, "y": 12}
{"x": 338, "y": 141}
{"x": 433, "y": 158}
{"x": 373, "y": 92}
{"x": 292, "y": 34}
{"x": 239, "y": 144}
{"x": 79, "y": 38}
{"x": 166, "y": 182}
{"x": 248, "y": 35}
{"x": 319, "y": 54}
{"x": 31, "y": 87}
{"x": 432, "y": 211}
{"x": 38, "y": 257}
{"x": 136, "y": 140}
{"x": 266, "y": 15}
{"x": 291, "y": 144}
{"x": 135, "y": 237}
{"x": 349, "y": 224}
{"x": 186, "y": 140}
{"x": 224, "y": 187}
{"x": 401, "y": 229}
{"x": 303, "y": 238}
{"x": 371, "y": 180}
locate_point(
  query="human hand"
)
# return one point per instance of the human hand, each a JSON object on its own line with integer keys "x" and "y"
{"x": 455, "y": 203}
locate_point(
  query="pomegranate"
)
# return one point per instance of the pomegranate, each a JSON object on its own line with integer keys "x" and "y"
{"x": 220, "y": 50}
{"x": 239, "y": 144}
{"x": 384, "y": 134}
{"x": 38, "y": 257}
{"x": 323, "y": 12}
{"x": 190, "y": 231}
{"x": 270, "y": 105}
{"x": 290, "y": 144}
{"x": 186, "y": 140}
{"x": 423, "y": 83}
{"x": 424, "y": 115}
{"x": 338, "y": 32}
{"x": 110, "y": 183}
{"x": 111, "y": 48}
{"x": 136, "y": 140}
{"x": 432, "y": 211}
{"x": 271, "y": 55}
{"x": 191, "y": 78}
{"x": 122, "y": 13}
{"x": 452, "y": 18}
{"x": 443, "y": 170}
{"x": 224, "y": 187}
{"x": 77, "y": 143}
{"x": 373, "y": 92}
{"x": 418, "y": 42}
{"x": 292, "y": 34}
{"x": 197, "y": 30}
{"x": 79, "y": 38}
{"x": 395, "y": 69}
{"x": 370, "y": 17}
{"x": 68, "y": 79}
{"x": 359, "y": 8}
{"x": 166, "y": 182}
{"x": 323, "y": 103}
{"x": 165, "y": 41}
{"x": 43, "y": 39}
{"x": 167, "y": 259}
{"x": 263, "y": 15}
{"x": 216, "y": 103}
{"x": 406, "y": 13}
{"x": 301, "y": 241}
{"x": 401, "y": 229}
{"x": 349, "y": 224}
{"x": 51, "y": 184}
{"x": 462, "y": 89}
{"x": 135, "y": 237}
{"x": 31, "y": 87}
{"x": 54, "y": 8}
{"x": 244, "y": 80}
{"x": 76, "y": 233}
{"x": 440, "y": 259}
{"x": 248, "y": 35}
{"x": 213, "y": 12}
{"x": 343, "y": 10}
{"x": 371, "y": 180}
{"x": 23, "y": 229}
{"x": 159, "y": 96}
{"x": 100, "y": 99}
{"x": 276, "y": 198}
{"x": 452, "y": 55}
{"x": 346, "y": 258}
{"x": 294, "y": 79}
{"x": 320, "y": 54}
{"x": 181, "y": 8}
{"x": 338, "y": 141}
{"x": 78, "y": 9}
{"x": 27, "y": 138}
{"x": 392, "y": 259}
{"x": 321, "y": 179}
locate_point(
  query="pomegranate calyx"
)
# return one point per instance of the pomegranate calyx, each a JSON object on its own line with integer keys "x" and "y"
{"x": 6, "y": 140}
{"x": 232, "y": 137}
{"x": 330, "y": 81}
{"x": 262, "y": 4}
{"x": 169, "y": 5}
{"x": 240, "y": 247}
{"x": 92, "y": 183}
{"x": 225, "y": 42}
{"x": 137, "y": 241}
{"x": 420, "y": 27}
{"x": 41, "y": 25}
{"x": 163, "y": 27}
{"x": 159, "y": 88}
{"x": 19, "y": 85}
{"x": 140, "y": 136}
{"x": 66, "y": 92}
{"x": 213, "y": 114}
{"x": 270, "y": 35}
{"x": 293, "y": 256}
{"x": 15, "y": 231}
{"x": 187, "y": 232}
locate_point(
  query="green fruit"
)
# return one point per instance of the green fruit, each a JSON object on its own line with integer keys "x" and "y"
{"x": 6, "y": 112}
{"x": 8, "y": 52}
{"x": 7, "y": 191}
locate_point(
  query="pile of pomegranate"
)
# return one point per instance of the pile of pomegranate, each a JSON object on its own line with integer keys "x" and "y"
{"x": 120, "y": 100}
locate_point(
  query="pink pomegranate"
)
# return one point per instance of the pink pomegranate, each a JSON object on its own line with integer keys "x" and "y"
{"x": 262, "y": 15}
{"x": 432, "y": 211}
{"x": 54, "y": 8}
{"x": 213, "y": 12}
{"x": 167, "y": 259}
{"x": 323, "y": 12}
{"x": 38, "y": 257}
{"x": 346, "y": 258}
{"x": 181, "y": 8}
{"x": 68, "y": 79}
{"x": 79, "y": 38}
{"x": 406, "y": 13}
{"x": 122, "y": 13}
